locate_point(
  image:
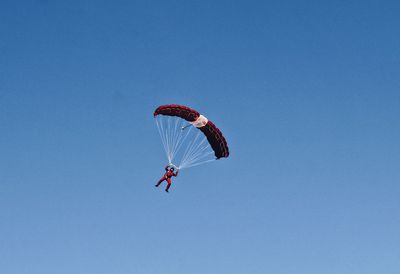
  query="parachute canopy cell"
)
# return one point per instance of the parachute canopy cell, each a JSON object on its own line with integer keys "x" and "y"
{"x": 212, "y": 133}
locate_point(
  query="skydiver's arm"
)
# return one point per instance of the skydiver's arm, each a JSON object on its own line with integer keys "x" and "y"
{"x": 166, "y": 168}
{"x": 176, "y": 173}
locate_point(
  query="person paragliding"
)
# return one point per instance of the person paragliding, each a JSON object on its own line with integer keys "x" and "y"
{"x": 169, "y": 172}
{"x": 189, "y": 138}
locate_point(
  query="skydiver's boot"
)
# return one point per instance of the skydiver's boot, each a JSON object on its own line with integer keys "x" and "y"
{"x": 168, "y": 186}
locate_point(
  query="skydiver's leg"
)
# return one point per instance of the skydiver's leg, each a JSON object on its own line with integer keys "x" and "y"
{"x": 160, "y": 181}
{"x": 169, "y": 184}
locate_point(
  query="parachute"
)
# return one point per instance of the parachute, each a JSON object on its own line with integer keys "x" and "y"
{"x": 188, "y": 137}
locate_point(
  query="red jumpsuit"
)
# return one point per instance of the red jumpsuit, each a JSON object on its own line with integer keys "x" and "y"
{"x": 167, "y": 177}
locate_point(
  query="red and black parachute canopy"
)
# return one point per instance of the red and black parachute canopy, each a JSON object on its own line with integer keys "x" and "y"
{"x": 213, "y": 134}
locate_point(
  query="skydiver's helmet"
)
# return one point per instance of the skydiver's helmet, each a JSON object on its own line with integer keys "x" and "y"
{"x": 172, "y": 169}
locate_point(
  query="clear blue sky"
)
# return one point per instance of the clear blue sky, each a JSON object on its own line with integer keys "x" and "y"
{"x": 307, "y": 94}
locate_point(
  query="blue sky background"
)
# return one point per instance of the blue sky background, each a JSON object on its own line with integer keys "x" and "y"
{"x": 307, "y": 94}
